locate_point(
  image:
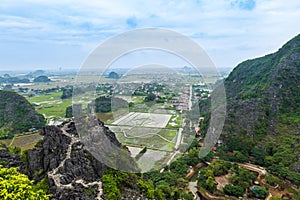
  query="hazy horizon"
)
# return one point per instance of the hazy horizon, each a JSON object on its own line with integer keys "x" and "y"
{"x": 61, "y": 34}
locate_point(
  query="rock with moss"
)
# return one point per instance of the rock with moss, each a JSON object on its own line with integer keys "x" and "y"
{"x": 17, "y": 113}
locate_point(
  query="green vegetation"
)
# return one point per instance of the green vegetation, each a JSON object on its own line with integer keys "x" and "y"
{"x": 153, "y": 185}
{"x": 233, "y": 190}
{"x": 110, "y": 187}
{"x": 108, "y": 104}
{"x": 258, "y": 192}
{"x": 242, "y": 177}
{"x": 43, "y": 185}
{"x": 18, "y": 114}
{"x": 14, "y": 150}
{"x": 180, "y": 167}
{"x": 42, "y": 79}
{"x": 272, "y": 180}
{"x": 275, "y": 198}
{"x": 175, "y": 121}
{"x": 6, "y": 133}
{"x": 50, "y": 104}
{"x": 15, "y": 186}
{"x": 89, "y": 191}
{"x": 151, "y": 141}
{"x": 67, "y": 92}
{"x": 168, "y": 186}
{"x": 206, "y": 178}
{"x": 141, "y": 153}
{"x": 45, "y": 97}
{"x": 150, "y": 97}
{"x": 263, "y": 113}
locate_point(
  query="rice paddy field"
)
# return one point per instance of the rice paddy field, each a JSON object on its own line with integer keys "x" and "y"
{"x": 154, "y": 138}
{"x": 147, "y": 129}
{"x": 25, "y": 142}
{"x": 144, "y": 120}
{"x": 54, "y": 108}
{"x": 50, "y": 105}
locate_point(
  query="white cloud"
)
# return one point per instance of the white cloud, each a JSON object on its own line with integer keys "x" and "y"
{"x": 230, "y": 30}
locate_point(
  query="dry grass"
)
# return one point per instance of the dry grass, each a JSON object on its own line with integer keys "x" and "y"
{"x": 6, "y": 141}
{"x": 26, "y": 141}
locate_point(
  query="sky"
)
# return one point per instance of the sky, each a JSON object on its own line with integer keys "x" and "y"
{"x": 53, "y": 34}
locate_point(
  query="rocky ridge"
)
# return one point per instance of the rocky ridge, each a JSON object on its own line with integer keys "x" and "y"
{"x": 72, "y": 172}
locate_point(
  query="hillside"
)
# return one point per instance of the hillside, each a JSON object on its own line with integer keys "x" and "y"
{"x": 263, "y": 111}
{"x": 17, "y": 113}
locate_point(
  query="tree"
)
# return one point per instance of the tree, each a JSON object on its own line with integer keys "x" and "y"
{"x": 67, "y": 92}
{"x": 16, "y": 186}
{"x": 239, "y": 157}
{"x": 272, "y": 180}
{"x": 259, "y": 192}
{"x": 233, "y": 190}
{"x": 6, "y": 132}
{"x": 259, "y": 155}
{"x": 69, "y": 112}
{"x": 211, "y": 184}
{"x": 147, "y": 188}
{"x": 166, "y": 191}
{"x": 219, "y": 167}
{"x": 150, "y": 97}
{"x": 110, "y": 187}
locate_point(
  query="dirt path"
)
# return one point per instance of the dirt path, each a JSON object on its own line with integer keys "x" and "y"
{"x": 260, "y": 170}
{"x": 194, "y": 170}
{"x": 145, "y": 136}
{"x": 269, "y": 196}
{"x": 12, "y": 141}
{"x": 56, "y": 176}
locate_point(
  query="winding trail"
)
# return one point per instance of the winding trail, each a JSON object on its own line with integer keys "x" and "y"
{"x": 260, "y": 170}
{"x": 56, "y": 176}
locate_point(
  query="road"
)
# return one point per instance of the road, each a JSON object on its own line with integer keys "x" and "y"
{"x": 261, "y": 171}
{"x": 190, "y": 97}
{"x": 146, "y": 136}
{"x": 179, "y": 137}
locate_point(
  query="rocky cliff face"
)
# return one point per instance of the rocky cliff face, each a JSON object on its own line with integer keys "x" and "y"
{"x": 71, "y": 170}
{"x": 263, "y": 109}
{"x": 73, "y": 173}
{"x": 263, "y": 91}
{"x": 8, "y": 159}
{"x": 49, "y": 152}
